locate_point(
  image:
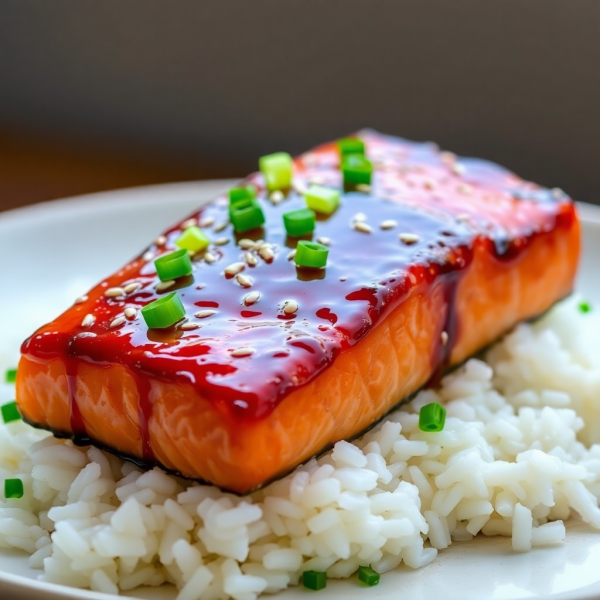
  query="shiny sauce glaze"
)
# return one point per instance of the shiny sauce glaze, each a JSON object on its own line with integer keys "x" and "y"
{"x": 245, "y": 357}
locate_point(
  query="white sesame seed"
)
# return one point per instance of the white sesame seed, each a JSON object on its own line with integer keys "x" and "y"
{"x": 359, "y": 217}
{"x": 250, "y": 259}
{"x": 388, "y": 224}
{"x": 318, "y": 179}
{"x": 234, "y": 268}
{"x": 409, "y": 238}
{"x": 161, "y": 240}
{"x": 463, "y": 217}
{"x": 465, "y": 189}
{"x": 148, "y": 256}
{"x": 310, "y": 160}
{"x": 444, "y": 338}
{"x": 221, "y": 241}
{"x": 81, "y": 300}
{"x": 203, "y": 314}
{"x": 130, "y": 312}
{"x": 266, "y": 253}
{"x": 209, "y": 258}
{"x": 364, "y": 187}
{"x": 276, "y": 197}
{"x": 117, "y": 322}
{"x": 290, "y": 307}
{"x": 448, "y": 157}
{"x": 241, "y": 352}
{"x": 299, "y": 186}
{"x": 363, "y": 227}
{"x": 251, "y": 298}
{"x": 88, "y": 321}
{"x": 458, "y": 169}
{"x": 246, "y": 244}
{"x": 189, "y": 223}
{"x": 189, "y": 326}
{"x": 132, "y": 287}
{"x": 114, "y": 292}
{"x": 220, "y": 226}
{"x": 207, "y": 221}
{"x": 244, "y": 280}
{"x": 324, "y": 240}
{"x": 164, "y": 285}
{"x": 291, "y": 255}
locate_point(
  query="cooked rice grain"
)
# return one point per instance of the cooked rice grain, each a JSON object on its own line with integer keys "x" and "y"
{"x": 515, "y": 459}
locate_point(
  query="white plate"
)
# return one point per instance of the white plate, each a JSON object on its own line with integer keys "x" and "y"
{"x": 54, "y": 252}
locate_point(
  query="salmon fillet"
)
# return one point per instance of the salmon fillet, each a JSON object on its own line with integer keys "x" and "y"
{"x": 433, "y": 261}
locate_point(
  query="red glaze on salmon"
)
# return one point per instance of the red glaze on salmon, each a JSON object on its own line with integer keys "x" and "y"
{"x": 458, "y": 252}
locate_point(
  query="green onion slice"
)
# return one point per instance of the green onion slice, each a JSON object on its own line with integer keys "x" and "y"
{"x": 193, "y": 239}
{"x": 356, "y": 169}
{"x": 314, "y": 580}
{"x": 322, "y": 199}
{"x": 10, "y": 412}
{"x": 246, "y": 215}
{"x": 311, "y": 254}
{"x": 11, "y": 376}
{"x": 299, "y": 222}
{"x": 13, "y": 488}
{"x": 164, "y": 312}
{"x": 351, "y": 145}
{"x": 585, "y": 307}
{"x": 277, "y": 169}
{"x": 368, "y": 576}
{"x": 174, "y": 265}
{"x": 432, "y": 417}
{"x": 236, "y": 194}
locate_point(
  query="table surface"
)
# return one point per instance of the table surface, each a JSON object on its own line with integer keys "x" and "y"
{"x": 34, "y": 168}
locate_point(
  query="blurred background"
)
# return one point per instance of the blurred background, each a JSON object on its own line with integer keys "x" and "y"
{"x": 110, "y": 94}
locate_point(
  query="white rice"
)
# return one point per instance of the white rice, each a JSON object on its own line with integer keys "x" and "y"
{"x": 515, "y": 458}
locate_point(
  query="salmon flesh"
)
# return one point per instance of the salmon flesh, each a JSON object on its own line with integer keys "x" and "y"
{"x": 430, "y": 263}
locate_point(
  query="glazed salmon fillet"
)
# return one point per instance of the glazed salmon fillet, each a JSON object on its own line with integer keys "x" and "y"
{"x": 273, "y": 362}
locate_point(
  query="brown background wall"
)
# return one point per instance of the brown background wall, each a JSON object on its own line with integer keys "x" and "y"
{"x": 122, "y": 92}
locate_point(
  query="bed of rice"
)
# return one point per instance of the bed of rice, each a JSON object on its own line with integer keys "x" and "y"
{"x": 516, "y": 458}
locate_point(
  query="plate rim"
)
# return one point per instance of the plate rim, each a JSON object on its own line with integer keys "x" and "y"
{"x": 130, "y": 195}
{"x": 103, "y": 201}
{"x": 126, "y": 197}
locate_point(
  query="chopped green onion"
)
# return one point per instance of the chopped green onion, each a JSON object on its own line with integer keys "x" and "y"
{"x": 174, "y": 265}
{"x": 13, "y": 488}
{"x": 277, "y": 169}
{"x": 311, "y": 254}
{"x": 164, "y": 312}
{"x": 246, "y": 215}
{"x": 322, "y": 199}
{"x": 299, "y": 222}
{"x": 432, "y": 417}
{"x": 10, "y": 412}
{"x": 351, "y": 146}
{"x": 11, "y": 376}
{"x": 356, "y": 169}
{"x": 242, "y": 193}
{"x": 585, "y": 307}
{"x": 193, "y": 239}
{"x": 314, "y": 580}
{"x": 368, "y": 576}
